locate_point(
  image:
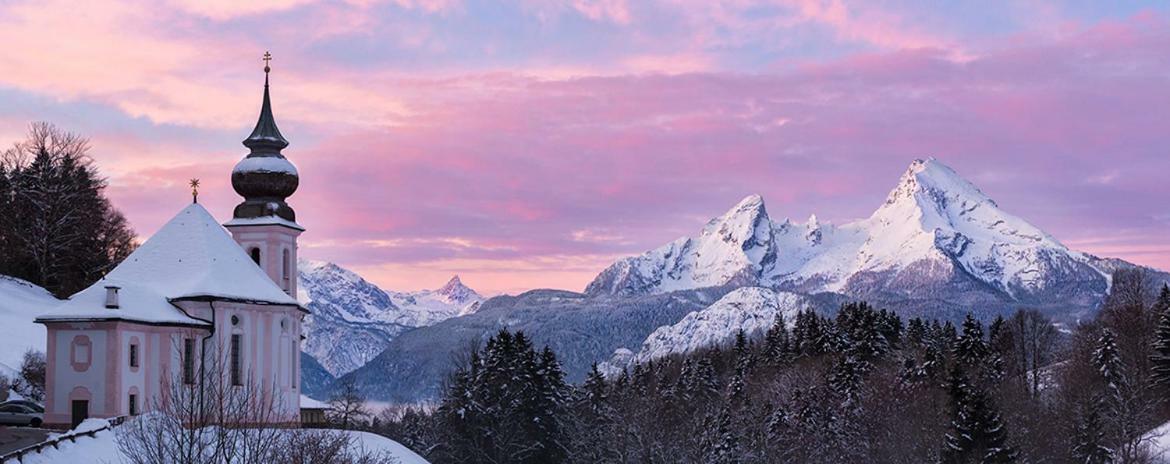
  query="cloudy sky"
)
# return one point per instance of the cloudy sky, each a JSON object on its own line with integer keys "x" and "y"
{"x": 529, "y": 143}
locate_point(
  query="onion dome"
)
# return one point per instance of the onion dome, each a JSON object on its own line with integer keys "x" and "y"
{"x": 265, "y": 178}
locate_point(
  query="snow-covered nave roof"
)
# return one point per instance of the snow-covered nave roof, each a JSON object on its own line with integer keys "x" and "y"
{"x": 191, "y": 257}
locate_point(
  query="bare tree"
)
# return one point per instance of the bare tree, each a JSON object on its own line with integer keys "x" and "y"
{"x": 347, "y": 406}
{"x": 1034, "y": 340}
{"x": 211, "y": 420}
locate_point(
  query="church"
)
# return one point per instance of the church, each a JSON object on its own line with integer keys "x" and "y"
{"x": 195, "y": 297}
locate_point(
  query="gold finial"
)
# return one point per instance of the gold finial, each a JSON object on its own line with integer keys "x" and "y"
{"x": 194, "y": 190}
{"x": 267, "y": 58}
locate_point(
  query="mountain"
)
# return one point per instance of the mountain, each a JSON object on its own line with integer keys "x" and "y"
{"x": 750, "y": 309}
{"x": 580, "y": 328}
{"x": 936, "y": 247}
{"x": 936, "y": 242}
{"x": 352, "y": 320}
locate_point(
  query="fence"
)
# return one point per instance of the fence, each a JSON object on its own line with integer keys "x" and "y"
{"x": 18, "y": 455}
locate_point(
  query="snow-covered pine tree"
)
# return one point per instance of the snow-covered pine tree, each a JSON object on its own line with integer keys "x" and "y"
{"x": 977, "y": 432}
{"x": 1089, "y": 443}
{"x": 743, "y": 353}
{"x": 706, "y": 382}
{"x": 777, "y": 342}
{"x": 845, "y": 378}
{"x": 1160, "y": 359}
{"x": 970, "y": 348}
{"x": 546, "y": 407}
{"x": 916, "y": 332}
{"x": 1107, "y": 360}
{"x": 721, "y": 444}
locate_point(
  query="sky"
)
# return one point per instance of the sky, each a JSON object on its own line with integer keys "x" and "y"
{"x": 530, "y": 143}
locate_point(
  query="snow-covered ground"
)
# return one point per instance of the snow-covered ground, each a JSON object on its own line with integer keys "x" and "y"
{"x": 20, "y": 303}
{"x": 103, "y": 448}
{"x": 1159, "y": 443}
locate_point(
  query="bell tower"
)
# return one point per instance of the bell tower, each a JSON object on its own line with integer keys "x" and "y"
{"x": 264, "y": 224}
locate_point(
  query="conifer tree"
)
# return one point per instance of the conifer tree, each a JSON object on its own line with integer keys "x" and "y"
{"x": 777, "y": 342}
{"x": 1089, "y": 437}
{"x": 977, "y": 432}
{"x": 1107, "y": 360}
{"x": 915, "y": 332}
{"x": 743, "y": 355}
{"x": 1160, "y": 359}
{"x": 970, "y": 348}
{"x": 721, "y": 445}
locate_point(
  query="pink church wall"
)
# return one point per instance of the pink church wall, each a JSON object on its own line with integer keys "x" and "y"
{"x": 107, "y": 379}
{"x": 272, "y": 241}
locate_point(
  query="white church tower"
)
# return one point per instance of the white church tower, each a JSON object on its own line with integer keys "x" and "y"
{"x": 264, "y": 224}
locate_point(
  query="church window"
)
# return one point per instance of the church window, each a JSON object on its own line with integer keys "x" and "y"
{"x": 286, "y": 270}
{"x": 235, "y": 356}
{"x": 255, "y": 255}
{"x": 133, "y": 404}
{"x": 188, "y": 361}
{"x": 133, "y": 355}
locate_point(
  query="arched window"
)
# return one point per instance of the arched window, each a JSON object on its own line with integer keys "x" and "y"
{"x": 256, "y": 255}
{"x": 286, "y": 271}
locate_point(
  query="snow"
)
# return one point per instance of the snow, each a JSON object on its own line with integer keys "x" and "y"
{"x": 265, "y": 164}
{"x": 20, "y": 303}
{"x": 191, "y": 256}
{"x": 930, "y": 222}
{"x": 751, "y": 309}
{"x": 1159, "y": 443}
{"x": 264, "y": 221}
{"x": 103, "y": 447}
{"x": 353, "y": 320}
{"x": 309, "y": 403}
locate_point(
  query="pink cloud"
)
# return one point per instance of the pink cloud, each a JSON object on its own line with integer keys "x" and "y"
{"x": 540, "y": 176}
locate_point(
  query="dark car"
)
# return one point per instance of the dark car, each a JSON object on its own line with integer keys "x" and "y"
{"x": 16, "y": 414}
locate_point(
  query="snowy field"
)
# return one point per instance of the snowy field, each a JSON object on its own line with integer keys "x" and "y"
{"x": 103, "y": 448}
{"x": 20, "y": 303}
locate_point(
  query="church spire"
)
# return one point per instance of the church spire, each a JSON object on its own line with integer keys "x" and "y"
{"x": 265, "y": 178}
{"x": 266, "y": 136}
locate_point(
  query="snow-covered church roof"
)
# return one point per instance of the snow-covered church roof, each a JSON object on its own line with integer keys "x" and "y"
{"x": 191, "y": 257}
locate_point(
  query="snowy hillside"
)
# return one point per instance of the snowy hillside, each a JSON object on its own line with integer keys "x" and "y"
{"x": 353, "y": 320}
{"x": 20, "y": 303}
{"x": 103, "y": 447}
{"x": 935, "y": 235}
{"x": 751, "y": 309}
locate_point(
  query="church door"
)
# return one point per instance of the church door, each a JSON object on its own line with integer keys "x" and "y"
{"x": 80, "y": 411}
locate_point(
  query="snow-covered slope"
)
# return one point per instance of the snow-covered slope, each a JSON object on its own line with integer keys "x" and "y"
{"x": 103, "y": 447}
{"x": 20, "y": 303}
{"x": 751, "y": 309}
{"x": 935, "y": 236}
{"x": 353, "y": 320}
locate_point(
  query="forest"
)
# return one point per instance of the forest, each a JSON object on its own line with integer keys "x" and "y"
{"x": 861, "y": 385}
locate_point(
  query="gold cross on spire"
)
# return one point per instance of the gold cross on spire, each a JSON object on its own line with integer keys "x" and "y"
{"x": 267, "y": 58}
{"x": 194, "y": 190}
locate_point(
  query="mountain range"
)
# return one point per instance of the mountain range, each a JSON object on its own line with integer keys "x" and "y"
{"x": 352, "y": 320}
{"x": 937, "y": 246}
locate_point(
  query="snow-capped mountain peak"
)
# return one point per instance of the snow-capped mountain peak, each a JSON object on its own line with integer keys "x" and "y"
{"x": 455, "y": 292}
{"x": 731, "y": 248}
{"x": 352, "y": 320}
{"x": 935, "y": 230}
